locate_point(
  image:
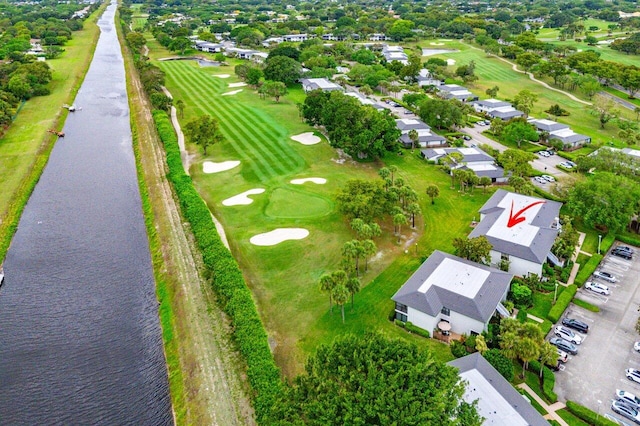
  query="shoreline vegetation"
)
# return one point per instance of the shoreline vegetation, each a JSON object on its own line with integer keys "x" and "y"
{"x": 69, "y": 71}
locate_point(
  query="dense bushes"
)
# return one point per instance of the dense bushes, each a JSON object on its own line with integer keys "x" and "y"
{"x": 587, "y": 415}
{"x": 416, "y": 330}
{"x": 548, "y": 381}
{"x": 562, "y": 302}
{"x": 587, "y": 269}
{"x": 228, "y": 282}
{"x": 500, "y": 363}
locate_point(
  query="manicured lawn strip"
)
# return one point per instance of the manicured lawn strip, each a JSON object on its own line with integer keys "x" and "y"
{"x": 533, "y": 402}
{"x": 25, "y": 148}
{"x": 254, "y": 138}
{"x": 542, "y": 303}
{"x": 570, "y": 418}
{"x": 227, "y": 279}
{"x": 622, "y": 95}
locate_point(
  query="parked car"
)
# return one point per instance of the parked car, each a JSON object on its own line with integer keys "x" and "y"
{"x": 567, "y": 165}
{"x": 625, "y": 411}
{"x": 625, "y": 248}
{"x": 622, "y": 253}
{"x": 636, "y": 346}
{"x": 548, "y": 178}
{"x": 544, "y": 154}
{"x": 563, "y": 345}
{"x": 628, "y": 398}
{"x": 562, "y": 356}
{"x": 582, "y": 327}
{"x": 633, "y": 375}
{"x": 597, "y": 288}
{"x": 567, "y": 334}
{"x": 540, "y": 180}
{"x": 605, "y": 276}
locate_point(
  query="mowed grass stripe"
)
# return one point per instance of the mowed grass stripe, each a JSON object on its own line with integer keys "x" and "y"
{"x": 232, "y": 112}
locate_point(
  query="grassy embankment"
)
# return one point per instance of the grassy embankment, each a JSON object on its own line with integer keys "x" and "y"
{"x": 284, "y": 277}
{"x": 25, "y": 148}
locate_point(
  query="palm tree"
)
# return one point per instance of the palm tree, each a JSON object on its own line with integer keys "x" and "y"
{"x": 368, "y": 249}
{"x": 548, "y": 355}
{"x": 433, "y": 191}
{"x": 340, "y": 294}
{"x": 399, "y": 220}
{"x": 414, "y": 210}
{"x": 528, "y": 350}
{"x": 326, "y": 285}
{"x": 508, "y": 344}
{"x": 484, "y": 182}
{"x": 353, "y": 286}
{"x": 180, "y": 107}
{"x": 393, "y": 169}
{"x": 384, "y": 173}
{"x": 413, "y": 135}
{"x": 351, "y": 253}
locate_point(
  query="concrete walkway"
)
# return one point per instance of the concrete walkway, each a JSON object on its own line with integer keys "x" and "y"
{"x": 576, "y": 266}
{"x": 551, "y": 409}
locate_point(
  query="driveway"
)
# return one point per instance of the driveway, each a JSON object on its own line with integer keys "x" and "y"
{"x": 592, "y": 377}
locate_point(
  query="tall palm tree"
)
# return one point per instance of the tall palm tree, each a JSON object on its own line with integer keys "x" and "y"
{"x": 433, "y": 191}
{"x": 326, "y": 285}
{"x": 368, "y": 249}
{"x": 414, "y": 210}
{"x": 340, "y": 295}
{"x": 353, "y": 286}
{"x": 528, "y": 349}
{"x": 413, "y": 136}
{"x": 548, "y": 355}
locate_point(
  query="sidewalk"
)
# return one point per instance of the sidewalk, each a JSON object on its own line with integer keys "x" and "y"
{"x": 551, "y": 409}
{"x": 576, "y": 266}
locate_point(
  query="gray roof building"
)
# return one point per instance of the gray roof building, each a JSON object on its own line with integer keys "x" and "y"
{"x": 463, "y": 286}
{"x": 407, "y": 124}
{"x": 531, "y": 238}
{"x": 544, "y": 125}
{"x": 505, "y": 113}
{"x": 498, "y": 402}
{"x": 309, "y": 84}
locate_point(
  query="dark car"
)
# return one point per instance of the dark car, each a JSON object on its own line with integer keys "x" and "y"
{"x": 625, "y": 248}
{"x": 622, "y": 253}
{"x": 564, "y": 345}
{"x": 575, "y": 324}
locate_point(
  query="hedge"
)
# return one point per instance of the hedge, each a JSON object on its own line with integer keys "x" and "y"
{"x": 588, "y": 306}
{"x": 561, "y": 303}
{"x": 589, "y": 416}
{"x": 632, "y": 241}
{"x": 587, "y": 269}
{"x": 227, "y": 280}
{"x": 417, "y": 330}
{"x": 548, "y": 381}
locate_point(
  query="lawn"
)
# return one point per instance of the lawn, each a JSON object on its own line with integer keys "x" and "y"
{"x": 28, "y": 135}
{"x": 284, "y": 277}
{"x": 548, "y": 34}
{"x": 606, "y": 52}
{"x": 494, "y": 72}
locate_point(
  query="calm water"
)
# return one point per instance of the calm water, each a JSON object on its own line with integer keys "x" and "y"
{"x": 80, "y": 339}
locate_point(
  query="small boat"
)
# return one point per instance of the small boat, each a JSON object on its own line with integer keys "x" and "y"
{"x": 71, "y": 108}
{"x": 57, "y": 133}
{"x": 1, "y": 276}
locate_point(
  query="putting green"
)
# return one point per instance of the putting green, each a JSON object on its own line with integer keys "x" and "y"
{"x": 286, "y": 203}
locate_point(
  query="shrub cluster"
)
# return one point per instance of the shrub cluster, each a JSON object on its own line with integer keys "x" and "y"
{"x": 417, "y": 330}
{"x": 587, "y": 415}
{"x": 561, "y": 303}
{"x": 587, "y": 269}
{"x": 548, "y": 381}
{"x": 227, "y": 280}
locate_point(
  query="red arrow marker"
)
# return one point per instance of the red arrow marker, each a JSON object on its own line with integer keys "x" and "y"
{"x": 516, "y": 219}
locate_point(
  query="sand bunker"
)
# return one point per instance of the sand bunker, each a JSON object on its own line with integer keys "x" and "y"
{"x": 242, "y": 199}
{"x": 211, "y": 167}
{"x": 451, "y": 61}
{"x": 306, "y": 138}
{"x": 221, "y": 75}
{"x": 233, "y": 92}
{"x": 319, "y": 181}
{"x": 279, "y": 235}
{"x": 241, "y": 84}
{"x": 436, "y": 44}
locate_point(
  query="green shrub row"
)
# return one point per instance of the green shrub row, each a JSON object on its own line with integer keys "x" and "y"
{"x": 628, "y": 239}
{"x": 548, "y": 381}
{"x": 588, "y": 306}
{"x": 587, "y": 269}
{"x": 549, "y": 196}
{"x": 589, "y": 416}
{"x": 417, "y": 330}
{"x": 607, "y": 242}
{"x": 561, "y": 303}
{"x": 227, "y": 280}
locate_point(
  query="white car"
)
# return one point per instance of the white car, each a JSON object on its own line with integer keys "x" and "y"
{"x": 566, "y": 165}
{"x": 597, "y": 288}
{"x": 636, "y": 346}
{"x": 540, "y": 180}
{"x": 605, "y": 276}
{"x": 544, "y": 154}
{"x": 548, "y": 178}
{"x": 628, "y": 398}
{"x": 633, "y": 375}
{"x": 567, "y": 334}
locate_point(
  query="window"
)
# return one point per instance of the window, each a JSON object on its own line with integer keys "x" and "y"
{"x": 504, "y": 257}
{"x": 473, "y": 333}
{"x": 401, "y": 317}
{"x": 445, "y": 311}
{"x": 400, "y": 307}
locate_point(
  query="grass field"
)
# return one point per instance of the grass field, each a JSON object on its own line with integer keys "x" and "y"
{"x": 552, "y": 33}
{"x": 606, "y": 52}
{"x": 494, "y": 72}
{"x": 284, "y": 277}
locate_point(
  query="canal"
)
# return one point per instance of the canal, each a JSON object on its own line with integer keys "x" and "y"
{"x": 80, "y": 340}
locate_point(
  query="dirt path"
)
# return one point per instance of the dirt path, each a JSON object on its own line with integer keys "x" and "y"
{"x": 214, "y": 391}
{"x": 532, "y": 78}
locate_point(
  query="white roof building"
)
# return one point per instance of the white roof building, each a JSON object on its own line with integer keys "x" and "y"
{"x": 521, "y": 230}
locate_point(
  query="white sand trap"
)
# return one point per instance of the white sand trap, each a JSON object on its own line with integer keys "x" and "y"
{"x": 451, "y": 61}
{"x": 437, "y": 44}
{"x": 242, "y": 199}
{"x": 278, "y": 235}
{"x": 233, "y": 92}
{"x": 241, "y": 84}
{"x": 306, "y": 138}
{"x": 222, "y": 75}
{"x": 319, "y": 181}
{"x": 211, "y": 167}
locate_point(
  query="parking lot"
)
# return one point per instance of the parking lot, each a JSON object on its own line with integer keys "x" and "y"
{"x": 592, "y": 376}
